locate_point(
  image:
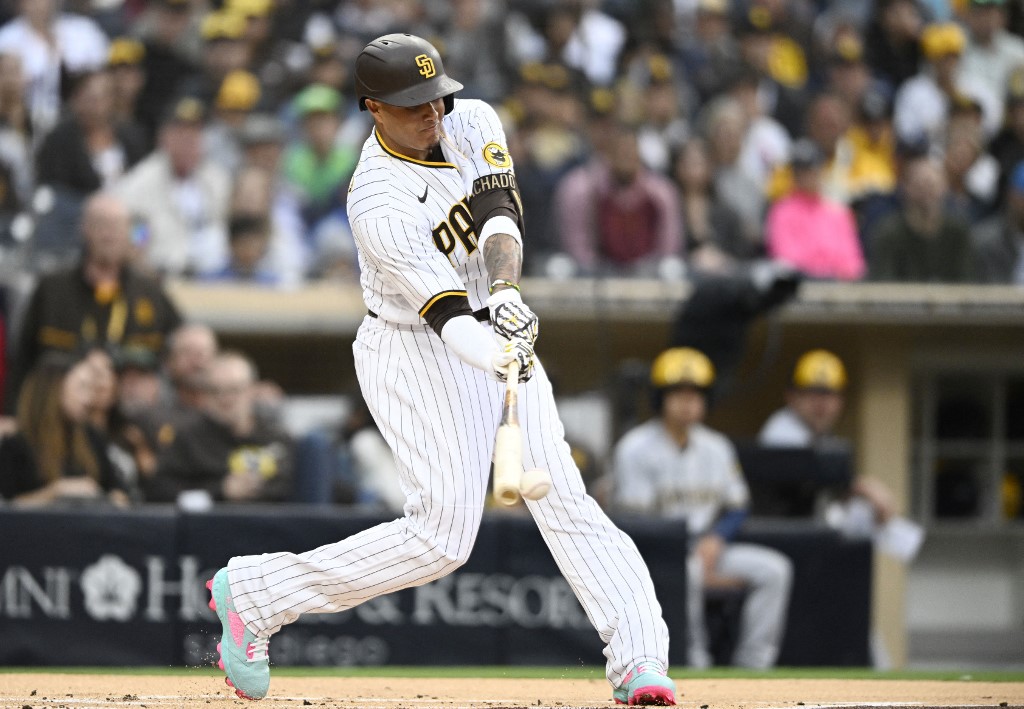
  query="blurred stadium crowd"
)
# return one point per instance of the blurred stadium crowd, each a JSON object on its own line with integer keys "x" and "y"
{"x": 140, "y": 140}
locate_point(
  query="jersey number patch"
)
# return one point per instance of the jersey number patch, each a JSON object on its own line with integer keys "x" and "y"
{"x": 457, "y": 229}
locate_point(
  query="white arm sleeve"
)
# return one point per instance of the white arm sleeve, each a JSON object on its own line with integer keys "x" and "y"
{"x": 471, "y": 342}
{"x": 498, "y": 225}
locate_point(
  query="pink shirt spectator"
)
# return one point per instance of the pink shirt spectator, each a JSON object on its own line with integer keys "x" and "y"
{"x": 816, "y": 235}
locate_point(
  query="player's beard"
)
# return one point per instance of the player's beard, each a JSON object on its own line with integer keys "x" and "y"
{"x": 435, "y": 136}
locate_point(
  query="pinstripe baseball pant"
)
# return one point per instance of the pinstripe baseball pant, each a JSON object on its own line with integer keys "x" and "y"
{"x": 439, "y": 416}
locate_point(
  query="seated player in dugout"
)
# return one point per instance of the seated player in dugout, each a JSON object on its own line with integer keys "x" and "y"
{"x": 815, "y": 403}
{"x": 437, "y": 221}
{"x": 675, "y": 467}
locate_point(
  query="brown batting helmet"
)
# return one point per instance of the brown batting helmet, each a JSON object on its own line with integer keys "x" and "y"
{"x": 403, "y": 70}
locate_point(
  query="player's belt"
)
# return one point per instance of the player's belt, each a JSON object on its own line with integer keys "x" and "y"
{"x": 482, "y": 315}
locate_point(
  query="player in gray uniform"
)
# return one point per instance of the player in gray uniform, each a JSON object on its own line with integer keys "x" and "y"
{"x": 675, "y": 467}
{"x": 437, "y": 219}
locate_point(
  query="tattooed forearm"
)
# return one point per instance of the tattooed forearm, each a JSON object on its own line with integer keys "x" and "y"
{"x": 503, "y": 258}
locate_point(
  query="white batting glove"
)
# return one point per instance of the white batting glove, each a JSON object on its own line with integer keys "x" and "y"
{"x": 516, "y": 348}
{"x": 511, "y": 317}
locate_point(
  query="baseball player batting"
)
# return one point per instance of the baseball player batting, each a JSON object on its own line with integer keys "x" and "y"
{"x": 437, "y": 219}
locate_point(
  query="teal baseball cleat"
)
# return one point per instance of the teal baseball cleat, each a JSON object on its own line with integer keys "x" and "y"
{"x": 646, "y": 687}
{"x": 243, "y": 656}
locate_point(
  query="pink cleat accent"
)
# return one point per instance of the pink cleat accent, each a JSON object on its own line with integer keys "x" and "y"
{"x": 645, "y": 686}
{"x": 653, "y": 696}
{"x": 237, "y": 628}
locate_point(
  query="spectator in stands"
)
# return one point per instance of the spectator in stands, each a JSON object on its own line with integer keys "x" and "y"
{"x": 248, "y": 244}
{"x": 17, "y": 176}
{"x": 619, "y": 217}
{"x": 138, "y": 381}
{"x": 971, "y": 172}
{"x": 923, "y": 240}
{"x": 167, "y": 64}
{"x": 191, "y": 349}
{"x": 366, "y": 19}
{"x": 815, "y": 402}
{"x": 262, "y": 139}
{"x": 125, "y": 64}
{"x": 286, "y": 254}
{"x": 992, "y": 52}
{"x": 274, "y": 44}
{"x": 847, "y": 74}
{"x": 473, "y": 35}
{"x": 230, "y": 453}
{"x": 237, "y": 97}
{"x": 102, "y": 300}
{"x": 1008, "y": 146}
{"x": 55, "y": 456}
{"x": 710, "y": 53}
{"x": 224, "y": 50}
{"x": 999, "y": 240}
{"x": 892, "y": 43}
{"x": 258, "y": 16}
{"x": 48, "y": 42}
{"x": 675, "y": 467}
{"x": 187, "y": 227}
{"x": 766, "y": 144}
{"x": 318, "y": 167}
{"x": 578, "y": 34}
{"x": 121, "y": 442}
{"x": 872, "y": 145}
{"x": 330, "y": 63}
{"x": 548, "y": 105}
{"x": 921, "y": 105}
{"x": 724, "y": 125}
{"x": 661, "y": 104}
{"x": 807, "y": 230}
{"x": 89, "y": 150}
{"x": 780, "y": 64}
{"x": 138, "y": 395}
{"x": 713, "y": 230}
{"x": 15, "y": 128}
{"x": 848, "y": 175}
{"x": 100, "y": 364}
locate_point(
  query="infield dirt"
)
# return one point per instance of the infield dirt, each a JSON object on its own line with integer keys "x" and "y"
{"x": 70, "y": 691}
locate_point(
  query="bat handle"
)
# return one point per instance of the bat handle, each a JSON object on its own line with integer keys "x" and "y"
{"x": 512, "y": 375}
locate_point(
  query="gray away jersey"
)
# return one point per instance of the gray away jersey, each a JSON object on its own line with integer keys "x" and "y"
{"x": 653, "y": 474}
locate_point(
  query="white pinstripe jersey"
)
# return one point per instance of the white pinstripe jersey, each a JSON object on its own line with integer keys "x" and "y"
{"x": 411, "y": 219}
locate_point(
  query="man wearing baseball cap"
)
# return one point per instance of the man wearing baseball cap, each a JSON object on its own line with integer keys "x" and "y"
{"x": 675, "y": 467}
{"x": 814, "y": 405}
{"x": 814, "y": 402}
{"x": 318, "y": 166}
{"x": 992, "y": 52}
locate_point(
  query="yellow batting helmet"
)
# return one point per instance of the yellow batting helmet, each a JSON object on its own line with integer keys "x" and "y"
{"x": 682, "y": 366}
{"x": 819, "y": 369}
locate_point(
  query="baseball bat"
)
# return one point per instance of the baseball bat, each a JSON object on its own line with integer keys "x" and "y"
{"x": 508, "y": 443}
